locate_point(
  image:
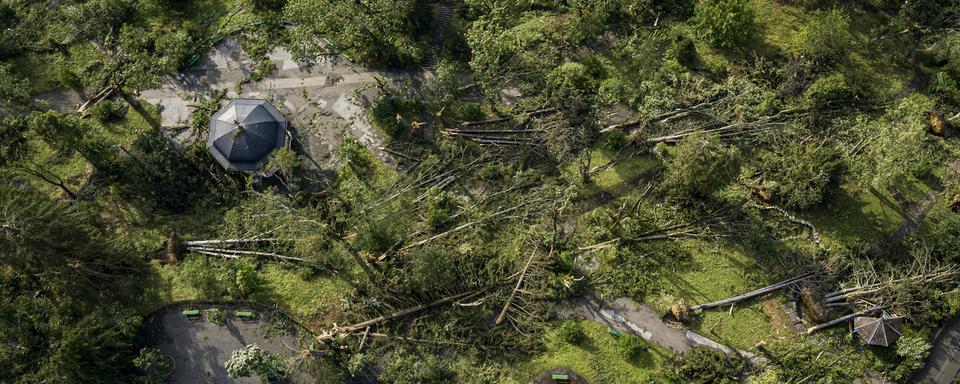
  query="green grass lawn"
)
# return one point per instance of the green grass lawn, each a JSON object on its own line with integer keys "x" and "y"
{"x": 596, "y": 360}
{"x": 851, "y": 215}
{"x": 305, "y": 299}
{"x": 617, "y": 179}
{"x": 718, "y": 270}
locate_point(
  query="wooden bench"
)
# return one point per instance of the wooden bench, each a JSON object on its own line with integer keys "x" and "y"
{"x": 613, "y": 332}
{"x": 191, "y": 313}
{"x": 560, "y": 377}
{"x": 247, "y": 315}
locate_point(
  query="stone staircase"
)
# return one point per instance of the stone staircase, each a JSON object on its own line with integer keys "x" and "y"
{"x": 445, "y": 12}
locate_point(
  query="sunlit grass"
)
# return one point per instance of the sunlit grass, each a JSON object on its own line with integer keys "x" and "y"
{"x": 596, "y": 360}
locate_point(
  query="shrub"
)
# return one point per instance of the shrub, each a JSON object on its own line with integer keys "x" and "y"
{"x": 217, "y": 316}
{"x": 200, "y": 277}
{"x": 945, "y": 238}
{"x": 393, "y": 114}
{"x": 108, "y": 110}
{"x": 439, "y": 208}
{"x": 408, "y": 368}
{"x": 725, "y": 23}
{"x": 631, "y": 347}
{"x": 240, "y": 278}
{"x": 571, "y": 331}
{"x": 825, "y": 37}
{"x": 912, "y": 350}
{"x": 700, "y": 166}
{"x": 829, "y": 90}
{"x": 708, "y": 366}
{"x": 800, "y": 174}
{"x": 684, "y": 51}
{"x": 155, "y": 365}
{"x": 253, "y": 360}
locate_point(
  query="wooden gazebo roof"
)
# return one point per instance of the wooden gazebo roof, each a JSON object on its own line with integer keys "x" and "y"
{"x": 883, "y": 330}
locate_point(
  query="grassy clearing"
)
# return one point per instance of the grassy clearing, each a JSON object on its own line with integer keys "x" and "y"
{"x": 304, "y": 298}
{"x": 851, "y": 215}
{"x": 596, "y": 360}
{"x": 718, "y": 270}
{"x": 617, "y": 179}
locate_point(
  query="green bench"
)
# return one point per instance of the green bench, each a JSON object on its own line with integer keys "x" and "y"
{"x": 191, "y": 312}
{"x": 244, "y": 314}
{"x": 613, "y": 332}
{"x": 560, "y": 377}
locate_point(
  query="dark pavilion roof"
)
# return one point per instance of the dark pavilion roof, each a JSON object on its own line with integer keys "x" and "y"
{"x": 883, "y": 330}
{"x": 244, "y": 132}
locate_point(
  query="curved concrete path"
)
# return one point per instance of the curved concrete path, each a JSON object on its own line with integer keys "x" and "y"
{"x": 943, "y": 364}
{"x": 625, "y": 315}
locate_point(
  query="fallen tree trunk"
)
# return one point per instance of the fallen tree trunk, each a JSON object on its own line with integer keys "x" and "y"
{"x": 843, "y": 319}
{"x": 241, "y": 252}
{"x": 326, "y": 336}
{"x": 513, "y": 294}
{"x": 752, "y": 294}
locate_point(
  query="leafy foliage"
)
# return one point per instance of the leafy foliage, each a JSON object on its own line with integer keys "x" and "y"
{"x": 725, "y": 23}
{"x": 707, "y": 365}
{"x": 155, "y": 365}
{"x": 253, "y": 360}
{"x": 701, "y": 166}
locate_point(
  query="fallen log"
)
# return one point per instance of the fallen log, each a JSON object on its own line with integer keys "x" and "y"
{"x": 326, "y": 336}
{"x": 755, "y": 293}
{"x": 241, "y": 252}
{"x": 843, "y": 319}
{"x": 513, "y": 294}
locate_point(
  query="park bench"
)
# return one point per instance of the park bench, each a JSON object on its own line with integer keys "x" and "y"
{"x": 246, "y": 315}
{"x": 560, "y": 377}
{"x": 191, "y": 313}
{"x": 613, "y": 332}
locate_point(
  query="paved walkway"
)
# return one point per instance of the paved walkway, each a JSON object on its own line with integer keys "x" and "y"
{"x": 321, "y": 101}
{"x": 200, "y": 348}
{"x": 943, "y": 364}
{"x": 625, "y": 315}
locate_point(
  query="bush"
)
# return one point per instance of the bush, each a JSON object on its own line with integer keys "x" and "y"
{"x": 800, "y": 175}
{"x": 945, "y": 238}
{"x": 439, "y": 208}
{"x": 239, "y": 278}
{"x": 684, "y": 51}
{"x": 253, "y": 360}
{"x": 155, "y": 365}
{"x": 394, "y": 114}
{"x": 408, "y": 368}
{"x": 217, "y": 316}
{"x": 700, "y": 166}
{"x": 631, "y": 347}
{"x": 825, "y": 37}
{"x": 830, "y": 90}
{"x": 912, "y": 350}
{"x": 108, "y": 110}
{"x": 202, "y": 278}
{"x": 708, "y": 366}
{"x": 571, "y": 331}
{"x": 725, "y": 23}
